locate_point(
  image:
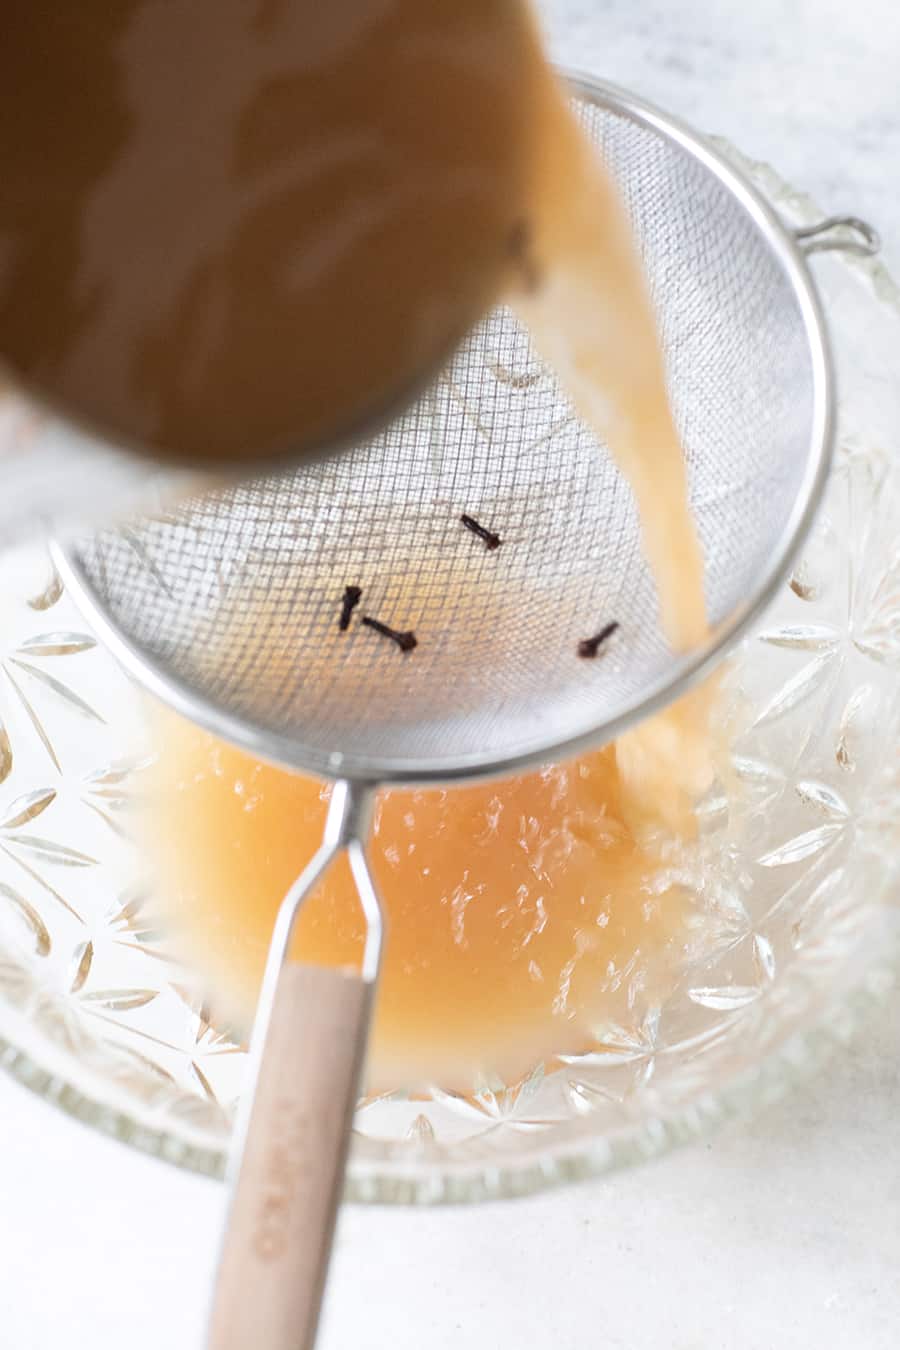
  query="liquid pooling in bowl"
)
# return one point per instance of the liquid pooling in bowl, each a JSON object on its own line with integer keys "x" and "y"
{"x": 520, "y": 913}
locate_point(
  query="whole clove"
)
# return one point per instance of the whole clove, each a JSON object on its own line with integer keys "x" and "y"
{"x": 405, "y": 641}
{"x": 490, "y": 539}
{"x": 352, "y": 597}
{"x": 589, "y": 647}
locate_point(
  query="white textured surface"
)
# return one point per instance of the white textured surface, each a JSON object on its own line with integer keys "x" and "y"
{"x": 785, "y": 1234}
{"x": 810, "y": 85}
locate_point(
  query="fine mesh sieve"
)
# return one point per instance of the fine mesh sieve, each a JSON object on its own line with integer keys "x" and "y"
{"x": 228, "y": 606}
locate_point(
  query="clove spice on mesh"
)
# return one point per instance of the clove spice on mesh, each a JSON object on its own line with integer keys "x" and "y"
{"x": 405, "y": 641}
{"x": 590, "y": 647}
{"x": 352, "y": 597}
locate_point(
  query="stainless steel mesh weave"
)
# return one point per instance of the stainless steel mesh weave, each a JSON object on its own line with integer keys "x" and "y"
{"x": 235, "y": 598}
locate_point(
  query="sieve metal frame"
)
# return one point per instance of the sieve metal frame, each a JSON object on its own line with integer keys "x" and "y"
{"x": 686, "y": 671}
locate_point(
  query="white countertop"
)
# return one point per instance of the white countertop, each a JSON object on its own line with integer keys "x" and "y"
{"x": 783, "y": 1234}
{"x": 780, "y": 1235}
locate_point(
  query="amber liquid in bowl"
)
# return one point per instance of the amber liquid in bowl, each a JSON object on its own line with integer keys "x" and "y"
{"x": 521, "y": 915}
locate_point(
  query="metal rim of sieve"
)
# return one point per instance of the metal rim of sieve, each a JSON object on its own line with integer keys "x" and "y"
{"x": 790, "y": 249}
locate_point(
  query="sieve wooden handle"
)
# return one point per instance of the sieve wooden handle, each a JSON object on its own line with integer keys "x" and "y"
{"x": 279, "y": 1233}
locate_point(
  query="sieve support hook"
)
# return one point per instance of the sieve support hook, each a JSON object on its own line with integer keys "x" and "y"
{"x": 294, "y": 1120}
{"x": 839, "y": 234}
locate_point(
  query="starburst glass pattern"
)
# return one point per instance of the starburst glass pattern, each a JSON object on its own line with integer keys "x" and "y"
{"x": 791, "y": 930}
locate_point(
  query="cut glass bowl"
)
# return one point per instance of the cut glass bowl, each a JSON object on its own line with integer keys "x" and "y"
{"x": 795, "y": 926}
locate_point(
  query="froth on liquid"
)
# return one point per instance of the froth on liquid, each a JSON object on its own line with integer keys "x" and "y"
{"x": 523, "y": 917}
